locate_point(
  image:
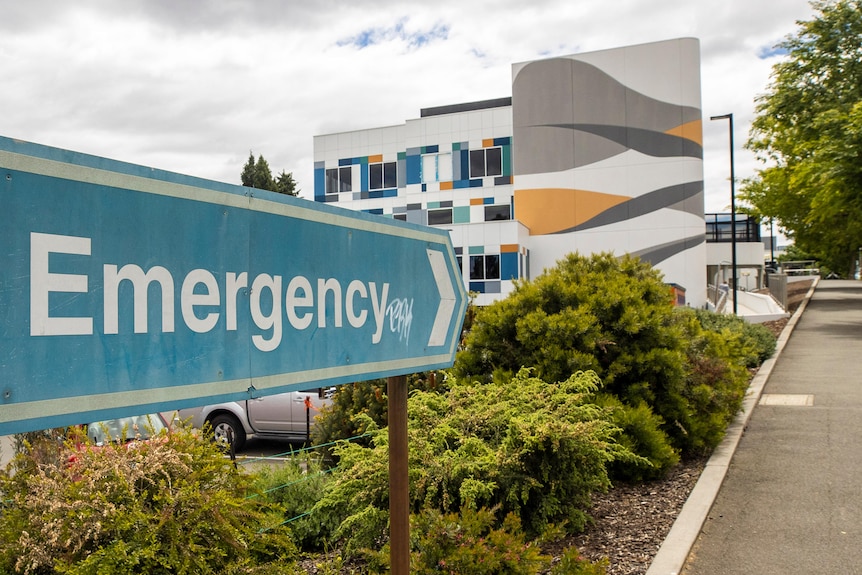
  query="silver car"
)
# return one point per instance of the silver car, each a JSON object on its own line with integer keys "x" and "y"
{"x": 284, "y": 415}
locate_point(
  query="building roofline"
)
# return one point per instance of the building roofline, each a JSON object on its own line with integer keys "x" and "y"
{"x": 466, "y": 107}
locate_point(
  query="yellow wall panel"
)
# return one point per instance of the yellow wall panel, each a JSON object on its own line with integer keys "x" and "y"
{"x": 551, "y": 210}
{"x": 690, "y": 131}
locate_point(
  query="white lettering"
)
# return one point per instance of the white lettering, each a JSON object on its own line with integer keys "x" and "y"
{"x": 200, "y": 299}
{"x": 293, "y": 301}
{"x": 355, "y": 287}
{"x": 379, "y": 309}
{"x": 43, "y": 282}
{"x": 141, "y": 286}
{"x": 189, "y": 299}
{"x": 234, "y": 284}
{"x": 400, "y": 313}
{"x": 266, "y": 322}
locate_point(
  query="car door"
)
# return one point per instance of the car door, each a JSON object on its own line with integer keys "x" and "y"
{"x": 272, "y": 413}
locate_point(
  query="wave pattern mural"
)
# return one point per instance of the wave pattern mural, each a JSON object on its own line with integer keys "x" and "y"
{"x": 612, "y": 142}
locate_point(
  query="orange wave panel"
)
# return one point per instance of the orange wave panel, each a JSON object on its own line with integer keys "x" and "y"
{"x": 690, "y": 131}
{"x": 551, "y": 210}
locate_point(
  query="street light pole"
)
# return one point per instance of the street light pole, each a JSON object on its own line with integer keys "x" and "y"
{"x": 729, "y": 117}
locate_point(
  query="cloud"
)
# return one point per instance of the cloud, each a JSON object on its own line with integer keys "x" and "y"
{"x": 193, "y": 87}
{"x": 398, "y": 32}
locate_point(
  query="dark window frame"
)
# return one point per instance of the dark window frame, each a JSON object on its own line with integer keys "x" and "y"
{"x": 436, "y": 214}
{"x": 494, "y": 211}
{"x": 382, "y": 175}
{"x": 339, "y": 180}
{"x": 487, "y": 266}
{"x": 486, "y": 162}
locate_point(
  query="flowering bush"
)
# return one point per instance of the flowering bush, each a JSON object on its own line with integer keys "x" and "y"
{"x": 170, "y": 505}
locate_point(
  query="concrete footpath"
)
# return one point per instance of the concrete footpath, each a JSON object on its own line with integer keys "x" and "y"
{"x": 783, "y": 493}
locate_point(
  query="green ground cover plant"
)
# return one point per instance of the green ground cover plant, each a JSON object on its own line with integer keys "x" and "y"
{"x": 534, "y": 449}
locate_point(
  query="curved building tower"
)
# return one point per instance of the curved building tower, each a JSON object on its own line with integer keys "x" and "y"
{"x": 607, "y": 156}
{"x": 595, "y": 152}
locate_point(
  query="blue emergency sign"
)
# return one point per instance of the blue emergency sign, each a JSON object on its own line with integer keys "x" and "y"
{"x": 126, "y": 289}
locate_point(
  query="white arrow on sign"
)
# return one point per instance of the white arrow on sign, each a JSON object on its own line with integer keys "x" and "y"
{"x": 447, "y": 298}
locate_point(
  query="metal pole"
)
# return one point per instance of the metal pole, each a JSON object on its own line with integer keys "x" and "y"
{"x": 771, "y": 243}
{"x": 729, "y": 117}
{"x": 399, "y": 483}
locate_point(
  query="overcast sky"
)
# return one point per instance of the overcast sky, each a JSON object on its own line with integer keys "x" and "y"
{"x": 192, "y": 87}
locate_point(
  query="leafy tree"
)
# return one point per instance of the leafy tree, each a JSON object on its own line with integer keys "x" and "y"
{"x": 285, "y": 184}
{"x": 809, "y": 130}
{"x": 257, "y": 174}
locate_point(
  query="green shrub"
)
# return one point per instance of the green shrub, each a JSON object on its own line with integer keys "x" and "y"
{"x": 641, "y": 433}
{"x": 615, "y": 316}
{"x": 468, "y": 543}
{"x": 173, "y": 504}
{"x": 603, "y": 313}
{"x": 757, "y": 343}
{"x": 339, "y": 419}
{"x": 716, "y": 380}
{"x": 534, "y": 449}
{"x": 475, "y": 542}
{"x": 571, "y": 563}
{"x": 357, "y": 405}
{"x": 296, "y": 485}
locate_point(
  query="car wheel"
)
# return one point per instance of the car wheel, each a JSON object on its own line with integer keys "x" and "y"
{"x": 224, "y": 426}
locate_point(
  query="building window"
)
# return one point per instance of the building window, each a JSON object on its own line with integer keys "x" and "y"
{"x": 338, "y": 180}
{"x": 439, "y": 217}
{"x": 402, "y": 217}
{"x": 485, "y": 267}
{"x": 383, "y": 175}
{"x": 486, "y": 162}
{"x": 496, "y": 213}
{"x": 436, "y": 168}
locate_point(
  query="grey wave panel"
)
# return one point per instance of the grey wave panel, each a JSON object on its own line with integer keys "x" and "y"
{"x": 654, "y": 255}
{"x": 563, "y": 93}
{"x": 675, "y": 197}
{"x": 649, "y": 142}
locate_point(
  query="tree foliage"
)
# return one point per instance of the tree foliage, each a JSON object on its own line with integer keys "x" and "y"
{"x": 257, "y": 174}
{"x": 808, "y": 131}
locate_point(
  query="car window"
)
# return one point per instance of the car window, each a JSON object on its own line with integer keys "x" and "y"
{"x": 135, "y": 427}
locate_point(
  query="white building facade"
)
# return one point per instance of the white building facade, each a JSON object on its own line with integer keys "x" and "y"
{"x": 596, "y": 152}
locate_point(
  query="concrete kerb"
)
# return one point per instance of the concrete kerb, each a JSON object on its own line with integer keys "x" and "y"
{"x": 675, "y": 548}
